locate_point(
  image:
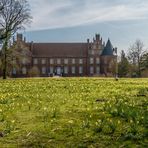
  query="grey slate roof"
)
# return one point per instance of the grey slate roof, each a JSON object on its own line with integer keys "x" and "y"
{"x": 108, "y": 49}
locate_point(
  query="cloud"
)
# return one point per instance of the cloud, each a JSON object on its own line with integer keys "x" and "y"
{"x": 49, "y": 14}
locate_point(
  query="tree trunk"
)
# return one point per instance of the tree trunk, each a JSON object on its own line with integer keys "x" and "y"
{"x": 139, "y": 67}
{"x": 5, "y": 58}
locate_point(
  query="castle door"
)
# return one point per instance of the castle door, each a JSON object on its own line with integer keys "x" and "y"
{"x": 59, "y": 71}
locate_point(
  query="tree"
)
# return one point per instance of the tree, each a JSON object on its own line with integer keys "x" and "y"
{"x": 144, "y": 64}
{"x": 144, "y": 61}
{"x": 13, "y": 16}
{"x": 123, "y": 65}
{"x": 34, "y": 72}
{"x": 136, "y": 51}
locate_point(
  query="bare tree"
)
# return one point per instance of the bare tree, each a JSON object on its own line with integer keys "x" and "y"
{"x": 13, "y": 16}
{"x": 136, "y": 51}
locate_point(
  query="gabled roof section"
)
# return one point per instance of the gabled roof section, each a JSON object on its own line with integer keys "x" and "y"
{"x": 108, "y": 49}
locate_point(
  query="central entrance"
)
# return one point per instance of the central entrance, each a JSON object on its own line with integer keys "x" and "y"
{"x": 59, "y": 70}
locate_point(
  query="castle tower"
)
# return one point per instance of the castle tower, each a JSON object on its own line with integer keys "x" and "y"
{"x": 108, "y": 59}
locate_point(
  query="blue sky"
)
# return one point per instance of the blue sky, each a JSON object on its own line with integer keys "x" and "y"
{"x": 123, "y": 21}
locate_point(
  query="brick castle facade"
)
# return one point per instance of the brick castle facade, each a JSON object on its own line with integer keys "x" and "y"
{"x": 93, "y": 58}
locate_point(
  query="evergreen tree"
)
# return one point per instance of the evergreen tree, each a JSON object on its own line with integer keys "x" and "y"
{"x": 123, "y": 66}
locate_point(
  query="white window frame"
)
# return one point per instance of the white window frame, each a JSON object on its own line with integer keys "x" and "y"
{"x": 65, "y": 69}
{"x": 51, "y": 61}
{"x": 65, "y": 61}
{"x": 97, "y": 60}
{"x": 24, "y": 61}
{"x": 43, "y": 61}
{"x": 73, "y": 61}
{"x": 35, "y": 61}
{"x": 14, "y": 71}
{"x": 91, "y": 60}
{"x": 91, "y": 70}
{"x": 58, "y": 61}
{"x": 98, "y": 69}
{"x": 24, "y": 70}
{"x": 51, "y": 69}
{"x": 80, "y": 70}
{"x": 43, "y": 70}
{"x": 73, "y": 69}
{"x": 80, "y": 61}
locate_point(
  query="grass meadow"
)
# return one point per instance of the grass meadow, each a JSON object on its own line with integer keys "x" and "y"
{"x": 73, "y": 113}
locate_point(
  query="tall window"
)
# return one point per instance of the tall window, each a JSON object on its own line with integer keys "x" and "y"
{"x": 97, "y": 60}
{"x": 73, "y": 61}
{"x": 73, "y": 69}
{"x": 100, "y": 52}
{"x": 91, "y": 70}
{"x": 35, "y": 61}
{"x": 80, "y": 61}
{"x": 58, "y": 61}
{"x": 91, "y": 60}
{"x": 66, "y": 70}
{"x": 98, "y": 69}
{"x": 43, "y": 70}
{"x": 65, "y": 61}
{"x": 24, "y": 70}
{"x": 43, "y": 61}
{"x": 51, "y": 61}
{"x": 51, "y": 69}
{"x": 24, "y": 61}
{"x": 92, "y": 52}
{"x": 14, "y": 71}
{"x": 80, "y": 70}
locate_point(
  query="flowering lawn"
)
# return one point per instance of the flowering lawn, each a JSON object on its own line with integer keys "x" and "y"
{"x": 73, "y": 112}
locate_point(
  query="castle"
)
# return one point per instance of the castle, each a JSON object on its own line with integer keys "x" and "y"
{"x": 93, "y": 58}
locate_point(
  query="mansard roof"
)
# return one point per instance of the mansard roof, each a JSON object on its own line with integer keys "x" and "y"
{"x": 108, "y": 49}
{"x": 59, "y": 49}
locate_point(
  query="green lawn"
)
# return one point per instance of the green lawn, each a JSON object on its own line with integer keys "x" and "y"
{"x": 74, "y": 112}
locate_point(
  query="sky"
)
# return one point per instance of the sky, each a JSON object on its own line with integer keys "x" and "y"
{"x": 123, "y": 21}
